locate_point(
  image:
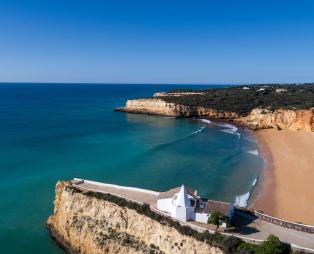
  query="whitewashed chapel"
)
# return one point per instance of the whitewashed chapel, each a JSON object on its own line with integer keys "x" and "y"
{"x": 184, "y": 204}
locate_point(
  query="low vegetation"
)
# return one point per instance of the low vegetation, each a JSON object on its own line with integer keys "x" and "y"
{"x": 271, "y": 246}
{"x": 228, "y": 244}
{"x": 216, "y": 218}
{"x": 242, "y": 99}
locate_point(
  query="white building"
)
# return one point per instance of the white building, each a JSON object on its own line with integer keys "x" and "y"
{"x": 184, "y": 204}
{"x": 280, "y": 90}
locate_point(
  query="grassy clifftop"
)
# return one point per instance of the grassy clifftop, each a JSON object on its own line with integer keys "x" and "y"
{"x": 242, "y": 99}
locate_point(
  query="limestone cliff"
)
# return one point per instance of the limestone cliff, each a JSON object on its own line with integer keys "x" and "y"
{"x": 85, "y": 224}
{"x": 156, "y": 106}
{"x": 256, "y": 119}
{"x": 280, "y": 119}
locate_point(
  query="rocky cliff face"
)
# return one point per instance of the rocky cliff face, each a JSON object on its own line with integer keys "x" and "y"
{"x": 84, "y": 224}
{"x": 280, "y": 119}
{"x": 156, "y": 106}
{"x": 257, "y": 119}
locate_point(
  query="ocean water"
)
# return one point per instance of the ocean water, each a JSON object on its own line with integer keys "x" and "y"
{"x": 60, "y": 131}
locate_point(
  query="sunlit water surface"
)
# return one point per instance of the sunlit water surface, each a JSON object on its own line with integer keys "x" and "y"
{"x": 54, "y": 131}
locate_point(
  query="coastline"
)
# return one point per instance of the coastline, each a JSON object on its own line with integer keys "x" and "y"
{"x": 285, "y": 188}
{"x": 263, "y": 199}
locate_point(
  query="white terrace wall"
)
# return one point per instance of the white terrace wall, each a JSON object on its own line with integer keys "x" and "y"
{"x": 164, "y": 204}
{"x": 201, "y": 217}
{"x": 182, "y": 213}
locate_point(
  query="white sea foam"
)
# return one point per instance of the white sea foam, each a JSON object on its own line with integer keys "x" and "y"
{"x": 229, "y": 126}
{"x": 199, "y": 130}
{"x": 241, "y": 200}
{"x": 206, "y": 121}
{"x": 254, "y": 152}
{"x": 230, "y": 129}
{"x": 167, "y": 117}
{"x": 254, "y": 182}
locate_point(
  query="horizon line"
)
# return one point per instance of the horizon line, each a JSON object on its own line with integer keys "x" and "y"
{"x": 151, "y": 83}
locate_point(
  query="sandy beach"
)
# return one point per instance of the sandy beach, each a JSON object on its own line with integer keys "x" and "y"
{"x": 287, "y": 189}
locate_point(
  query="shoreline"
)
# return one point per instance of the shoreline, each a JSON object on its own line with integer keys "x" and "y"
{"x": 285, "y": 186}
{"x": 263, "y": 193}
{"x": 255, "y": 191}
{"x": 275, "y": 193}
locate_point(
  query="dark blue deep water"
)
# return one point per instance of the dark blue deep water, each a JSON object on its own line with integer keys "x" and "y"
{"x": 60, "y": 131}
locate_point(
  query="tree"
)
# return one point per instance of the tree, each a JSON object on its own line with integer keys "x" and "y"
{"x": 216, "y": 217}
{"x": 273, "y": 245}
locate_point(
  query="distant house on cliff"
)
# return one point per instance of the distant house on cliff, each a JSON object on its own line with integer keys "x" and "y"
{"x": 184, "y": 204}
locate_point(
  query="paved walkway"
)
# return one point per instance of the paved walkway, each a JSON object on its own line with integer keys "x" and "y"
{"x": 256, "y": 230}
{"x": 259, "y": 230}
{"x": 134, "y": 194}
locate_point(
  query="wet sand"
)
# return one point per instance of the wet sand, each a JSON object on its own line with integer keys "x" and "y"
{"x": 287, "y": 189}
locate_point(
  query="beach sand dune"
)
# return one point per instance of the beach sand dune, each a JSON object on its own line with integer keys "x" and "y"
{"x": 288, "y": 184}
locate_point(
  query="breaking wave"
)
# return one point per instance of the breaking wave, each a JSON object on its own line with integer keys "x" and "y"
{"x": 230, "y": 129}
{"x": 174, "y": 142}
{"x": 254, "y": 182}
{"x": 167, "y": 117}
{"x": 199, "y": 130}
{"x": 242, "y": 200}
{"x": 206, "y": 121}
{"x": 254, "y": 152}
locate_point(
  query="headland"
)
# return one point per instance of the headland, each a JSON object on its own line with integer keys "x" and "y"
{"x": 94, "y": 217}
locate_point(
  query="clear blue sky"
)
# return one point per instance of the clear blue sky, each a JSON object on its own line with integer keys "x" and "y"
{"x": 156, "y": 41}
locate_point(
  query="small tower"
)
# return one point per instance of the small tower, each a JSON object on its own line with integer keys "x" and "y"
{"x": 181, "y": 206}
{"x": 182, "y": 198}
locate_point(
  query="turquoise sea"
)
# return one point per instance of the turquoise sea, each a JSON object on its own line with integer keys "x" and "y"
{"x": 60, "y": 131}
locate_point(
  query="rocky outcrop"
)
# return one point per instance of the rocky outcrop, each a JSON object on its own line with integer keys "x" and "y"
{"x": 280, "y": 119}
{"x": 256, "y": 119}
{"x": 156, "y": 106}
{"x": 86, "y": 224}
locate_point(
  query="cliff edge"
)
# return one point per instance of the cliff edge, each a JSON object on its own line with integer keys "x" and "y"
{"x": 258, "y": 118}
{"x": 87, "y": 224}
{"x": 157, "y": 106}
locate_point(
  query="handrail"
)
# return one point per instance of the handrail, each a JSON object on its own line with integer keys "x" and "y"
{"x": 290, "y": 222}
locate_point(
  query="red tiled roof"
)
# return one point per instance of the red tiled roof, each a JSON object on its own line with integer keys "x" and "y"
{"x": 216, "y": 206}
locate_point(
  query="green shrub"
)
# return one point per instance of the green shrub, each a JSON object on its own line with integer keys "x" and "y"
{"x": 235, "y": 99}
{"x": 230, "y": 244}
{"x": 216, "y": 218}
{"x": 274, "y": 246}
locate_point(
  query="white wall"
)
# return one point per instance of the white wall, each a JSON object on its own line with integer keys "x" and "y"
{"x": 182, "y": 213}
{"x": 164, "y": 204}
{"x": 223, "y": 225}
{"x": 118, "y": 186}
{"x": 190, "y": 213}
{"x": 173, "y": 211}
{"x": 201, "y": 217}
